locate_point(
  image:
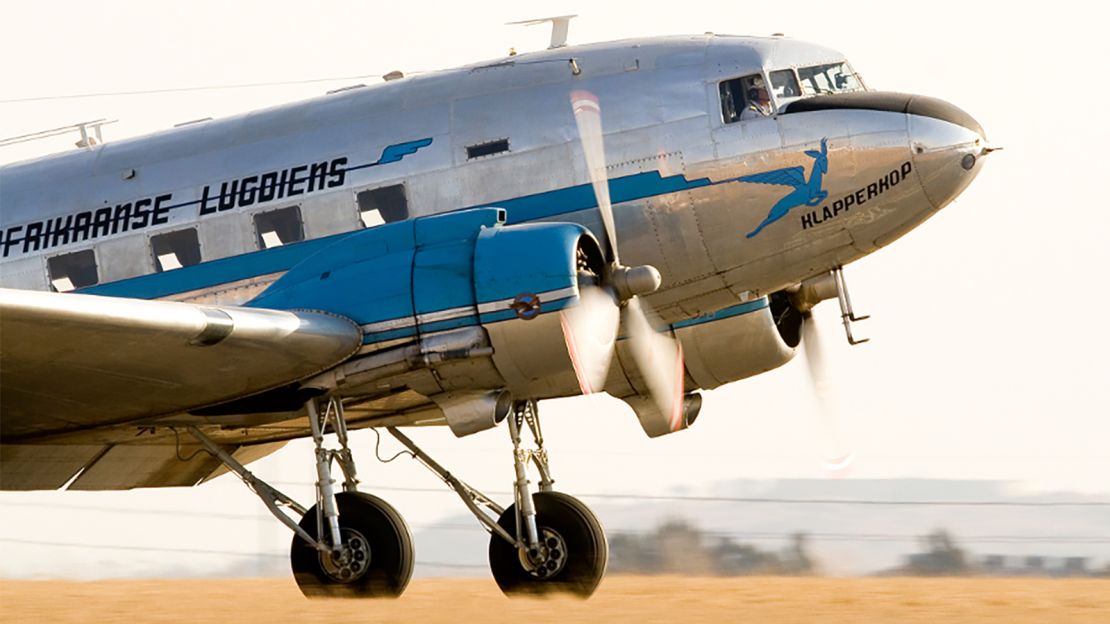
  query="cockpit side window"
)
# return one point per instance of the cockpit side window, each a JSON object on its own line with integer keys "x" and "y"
{"x": 744, "y": 98}
{"x": 829, "y": 78}
{"x": 731, "y": 102}
{"x": 784, "y": 84}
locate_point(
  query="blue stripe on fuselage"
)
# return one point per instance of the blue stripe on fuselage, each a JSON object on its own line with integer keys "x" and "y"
{"x": 736, "y": 310}
{"x": 277, "y": 259}
{"x": 214, "y": 272}
{"x": 575, "y": 198}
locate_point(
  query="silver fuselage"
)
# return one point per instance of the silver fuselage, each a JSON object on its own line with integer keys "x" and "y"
{"x": 673, "y": 161}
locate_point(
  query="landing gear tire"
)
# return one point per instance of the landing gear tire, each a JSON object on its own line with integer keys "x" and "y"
{"x": 379, "y": 554}
{"x": 572, "y": 556}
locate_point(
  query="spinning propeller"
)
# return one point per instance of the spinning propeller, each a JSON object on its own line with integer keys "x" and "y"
{"x": 591, "y": 328}
{"x": 838, "y": 461}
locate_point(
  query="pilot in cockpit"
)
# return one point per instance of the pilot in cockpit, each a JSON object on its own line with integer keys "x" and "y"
{"x": 759, "y": 103}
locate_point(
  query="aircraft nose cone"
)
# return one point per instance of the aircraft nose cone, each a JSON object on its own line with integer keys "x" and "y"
{"x": 947, "y": 146}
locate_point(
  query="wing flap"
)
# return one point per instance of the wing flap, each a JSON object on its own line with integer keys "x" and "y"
{"x": 43, "y": 467}
{"x": 127, "y": 466}
{"x": 25, "y": 467}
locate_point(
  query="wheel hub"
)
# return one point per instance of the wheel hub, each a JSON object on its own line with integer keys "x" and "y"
{"x": 549, "y": 558}
{"x": 350, "y": 562}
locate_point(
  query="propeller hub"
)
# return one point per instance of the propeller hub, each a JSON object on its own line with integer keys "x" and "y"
{"x": 638, "y": 280}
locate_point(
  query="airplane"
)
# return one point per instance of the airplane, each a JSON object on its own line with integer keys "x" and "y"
{"x": 447, "y": 249}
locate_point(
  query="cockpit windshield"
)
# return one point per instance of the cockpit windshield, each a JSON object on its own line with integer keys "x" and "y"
{"x": 829, "y": 78}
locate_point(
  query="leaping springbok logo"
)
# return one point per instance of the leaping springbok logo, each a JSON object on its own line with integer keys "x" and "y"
{"x": 808, "y": 193}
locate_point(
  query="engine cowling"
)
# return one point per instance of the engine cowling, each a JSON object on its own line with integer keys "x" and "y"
{"x": 738, "y": 342}
{"x": 728, "y": 345}
{"x": 524, "y": 276}
{"x": 488, "y": 294}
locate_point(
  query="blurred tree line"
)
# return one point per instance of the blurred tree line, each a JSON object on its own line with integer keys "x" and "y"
{"x": 940, "y": 556}
{"x": 678, "y": 547}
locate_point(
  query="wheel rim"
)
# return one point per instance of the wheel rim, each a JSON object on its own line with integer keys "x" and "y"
{"x": 549, "y": 558}
{"x": 351, "y": 562}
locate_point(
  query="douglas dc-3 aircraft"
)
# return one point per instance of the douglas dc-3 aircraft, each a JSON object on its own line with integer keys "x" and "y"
{"x": 447, "y": 249}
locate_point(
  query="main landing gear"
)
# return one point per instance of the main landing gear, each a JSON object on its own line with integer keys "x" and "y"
{"x": 349, "y": 544}
{"x": 354, "y": 545}
{"x": 544, "y": 543}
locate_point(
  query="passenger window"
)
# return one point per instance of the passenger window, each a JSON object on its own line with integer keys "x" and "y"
{"x": 383, "y": 205}
{"x": 744, "y": 98}
{"x": 72, "y": 270}
{"x": 487, "y": 149}
{"x": 279, "y": 227}
{"x": 784, "y": 84}
{"x": 174, "y": 250}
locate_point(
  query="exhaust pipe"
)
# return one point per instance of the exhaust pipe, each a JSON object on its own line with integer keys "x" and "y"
{"x": 474, "y": 411}
{"x": 813, "y": 291}
{"x": 655, "y": 423}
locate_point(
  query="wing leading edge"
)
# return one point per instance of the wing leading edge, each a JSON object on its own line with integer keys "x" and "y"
{"x": 71, "y": 362}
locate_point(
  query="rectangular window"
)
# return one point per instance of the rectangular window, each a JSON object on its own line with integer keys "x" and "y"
{"x": 279, "y": 227}
{"x": 784, "y": 84}
{"x": 831, "y": 78}
{"x": 487, "y": 149}
{"x": 72, "y": 271}
{"x": 744, "y": 98}
{"x": 731, "y": 104}
{"x": 383, "y": 205}
{"x": 174, "y": 250}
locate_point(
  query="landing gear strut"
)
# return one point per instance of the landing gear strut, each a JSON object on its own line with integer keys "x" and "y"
{"x": 354, "y": 545}
{"x": 349, "y": 544}
{"x": 847, "y": 313}
{"x": 545, "y": 542}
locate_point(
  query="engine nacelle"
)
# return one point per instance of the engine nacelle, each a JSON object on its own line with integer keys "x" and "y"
{"x": 524, "y": 276}
{"x": 728, "y": 345}
{"x": 735, "y": 343}
{"x": 408, "y": 282}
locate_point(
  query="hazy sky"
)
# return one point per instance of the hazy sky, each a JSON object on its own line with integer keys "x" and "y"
{"x": 988, "y": 352}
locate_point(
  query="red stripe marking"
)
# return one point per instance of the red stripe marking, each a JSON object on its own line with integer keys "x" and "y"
{"x": 572, "y": 351}
{"x": 680, "y": 384}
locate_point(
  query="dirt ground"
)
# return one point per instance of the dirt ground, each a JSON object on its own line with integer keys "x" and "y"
{"x": 620, "y": 599}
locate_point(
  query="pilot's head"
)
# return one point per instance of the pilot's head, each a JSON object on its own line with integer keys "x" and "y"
{"x": 758, "y": 94}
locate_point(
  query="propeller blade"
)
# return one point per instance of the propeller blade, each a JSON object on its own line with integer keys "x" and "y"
{"x": 658, "y": 357}
{"x": 590, "y": 329}
{"x": 659, "y": 360}
{"x": 587, "y": 116}
{"x": 838, "y": 461}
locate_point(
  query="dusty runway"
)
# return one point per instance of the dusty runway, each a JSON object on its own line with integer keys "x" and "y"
{"x": 620, "y": 599}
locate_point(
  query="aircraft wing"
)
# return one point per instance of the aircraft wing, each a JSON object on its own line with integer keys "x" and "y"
{"x": 72, "y": 362}
{"x": 789, "y": 176}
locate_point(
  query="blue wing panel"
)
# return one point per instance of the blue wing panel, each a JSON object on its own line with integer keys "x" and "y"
{"x": 443, "y": 278}
{"x": 366, "y": 277}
